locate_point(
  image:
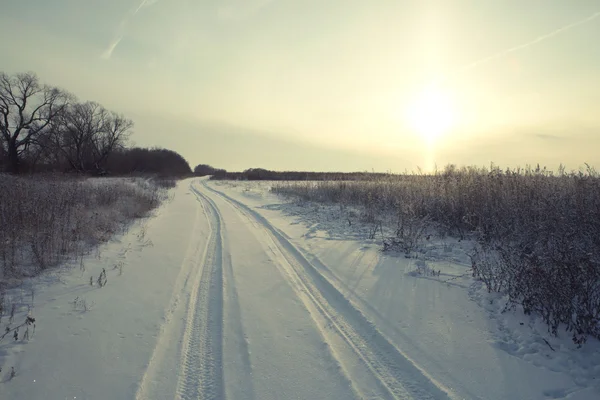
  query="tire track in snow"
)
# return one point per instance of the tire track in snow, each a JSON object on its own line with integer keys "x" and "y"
{"x": 400, "y": 377}
{"x": 239, "y": 353}
{"x": 189, "y": 268}
{"x": 201, "y": 374}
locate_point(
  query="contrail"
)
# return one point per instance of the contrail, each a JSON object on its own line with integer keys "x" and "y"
{"x": 142, "y": 4}
{"x": 539, "y": 39}
{"x": 121, "y": 30}
{"x": 113, "y": 45}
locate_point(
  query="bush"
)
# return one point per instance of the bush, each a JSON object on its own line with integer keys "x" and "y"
{"x": 537, "y": 232}
{"x": 46, "y": 220}
{"x": 165, "y": 183}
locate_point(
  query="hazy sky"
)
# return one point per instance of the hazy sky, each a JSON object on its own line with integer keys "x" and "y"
{"x": 328, "y": 84}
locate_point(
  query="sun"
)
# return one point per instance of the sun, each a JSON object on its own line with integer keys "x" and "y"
{"x": 431, "y": 114}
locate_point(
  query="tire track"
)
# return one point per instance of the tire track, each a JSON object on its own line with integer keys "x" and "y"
{"x": 401, "y": 378}
{"x": 189, "y": 268}
{"x": 234, "y": 335}
{"x": 201, "y": 374}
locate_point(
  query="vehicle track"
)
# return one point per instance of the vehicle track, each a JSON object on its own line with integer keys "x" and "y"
{"x": 190, "y": 268}
{"x": 239, "y": 354}
{"x": 201, "y": 374}
{"x": 399, "y": 377}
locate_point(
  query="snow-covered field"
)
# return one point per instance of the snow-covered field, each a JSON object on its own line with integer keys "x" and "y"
{"x": 230, "y": 292}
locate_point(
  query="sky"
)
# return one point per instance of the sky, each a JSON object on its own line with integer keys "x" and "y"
{"x": 334, "y": 85}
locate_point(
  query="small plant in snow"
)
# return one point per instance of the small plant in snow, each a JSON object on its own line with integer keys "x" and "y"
{"x": 29, "y": 322}
{"x": 488, "y": 267}
{"x": 424, "y": 270}
{"x": 377, "y": 226}
{"x": 119, "y": 266}
{"x": 102, "y": 278}
{"x": 2, "y": 303}
{"x": 409, "y": 233}
{"x": 81, "y": 265}
{"x": 13, "y": 308}
{"x": 12, "y": 373}
{"x": 81, "y": 304}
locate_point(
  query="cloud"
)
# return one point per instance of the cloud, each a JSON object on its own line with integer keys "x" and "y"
{"x": 107, "y": 54}
{"x": 547, "y": 136}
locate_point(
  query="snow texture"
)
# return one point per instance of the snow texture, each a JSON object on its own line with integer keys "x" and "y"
{"x": 229, "y": 292}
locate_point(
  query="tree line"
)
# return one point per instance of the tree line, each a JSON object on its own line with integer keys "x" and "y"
{"x": 260, "y": 174}
{"x": 44, "y": 128}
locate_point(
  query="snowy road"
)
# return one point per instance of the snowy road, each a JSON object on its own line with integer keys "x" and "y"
{"x": 222, "y": 296}
{"x": 263, "y": 323}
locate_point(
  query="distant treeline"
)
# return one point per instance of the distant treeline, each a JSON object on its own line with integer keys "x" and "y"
{"x": 47, "y": 129}
{"x": 204, "y": 170}
{"x": 155, "y": 161}
{"x": 259, "y": 174}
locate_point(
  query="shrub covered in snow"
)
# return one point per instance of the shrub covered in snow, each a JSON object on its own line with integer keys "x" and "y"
{"x": 537, "y": 231}
{"x": 45, "y": 220}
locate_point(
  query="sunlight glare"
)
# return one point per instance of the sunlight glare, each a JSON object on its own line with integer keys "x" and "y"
{"x": 432, "y": 114}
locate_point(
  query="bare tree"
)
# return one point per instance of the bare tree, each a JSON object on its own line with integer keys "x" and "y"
{"x": 86, "y": 133}
{"x": 3, "y": 153}
{"x": 40, "y": 153}
{"x": 27, "y": 108}
{"x": 116, "y": 129}
{"x": 72, "y": 133}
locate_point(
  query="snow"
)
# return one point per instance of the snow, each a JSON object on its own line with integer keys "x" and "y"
{"x": 231, "y": 292}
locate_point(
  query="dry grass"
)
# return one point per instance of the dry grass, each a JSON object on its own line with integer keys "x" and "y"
{"x": 45, "y": 220}
{"x": 537, "y": 231}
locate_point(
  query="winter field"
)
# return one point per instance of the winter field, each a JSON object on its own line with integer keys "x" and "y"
{"x": 263, "y": 290}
